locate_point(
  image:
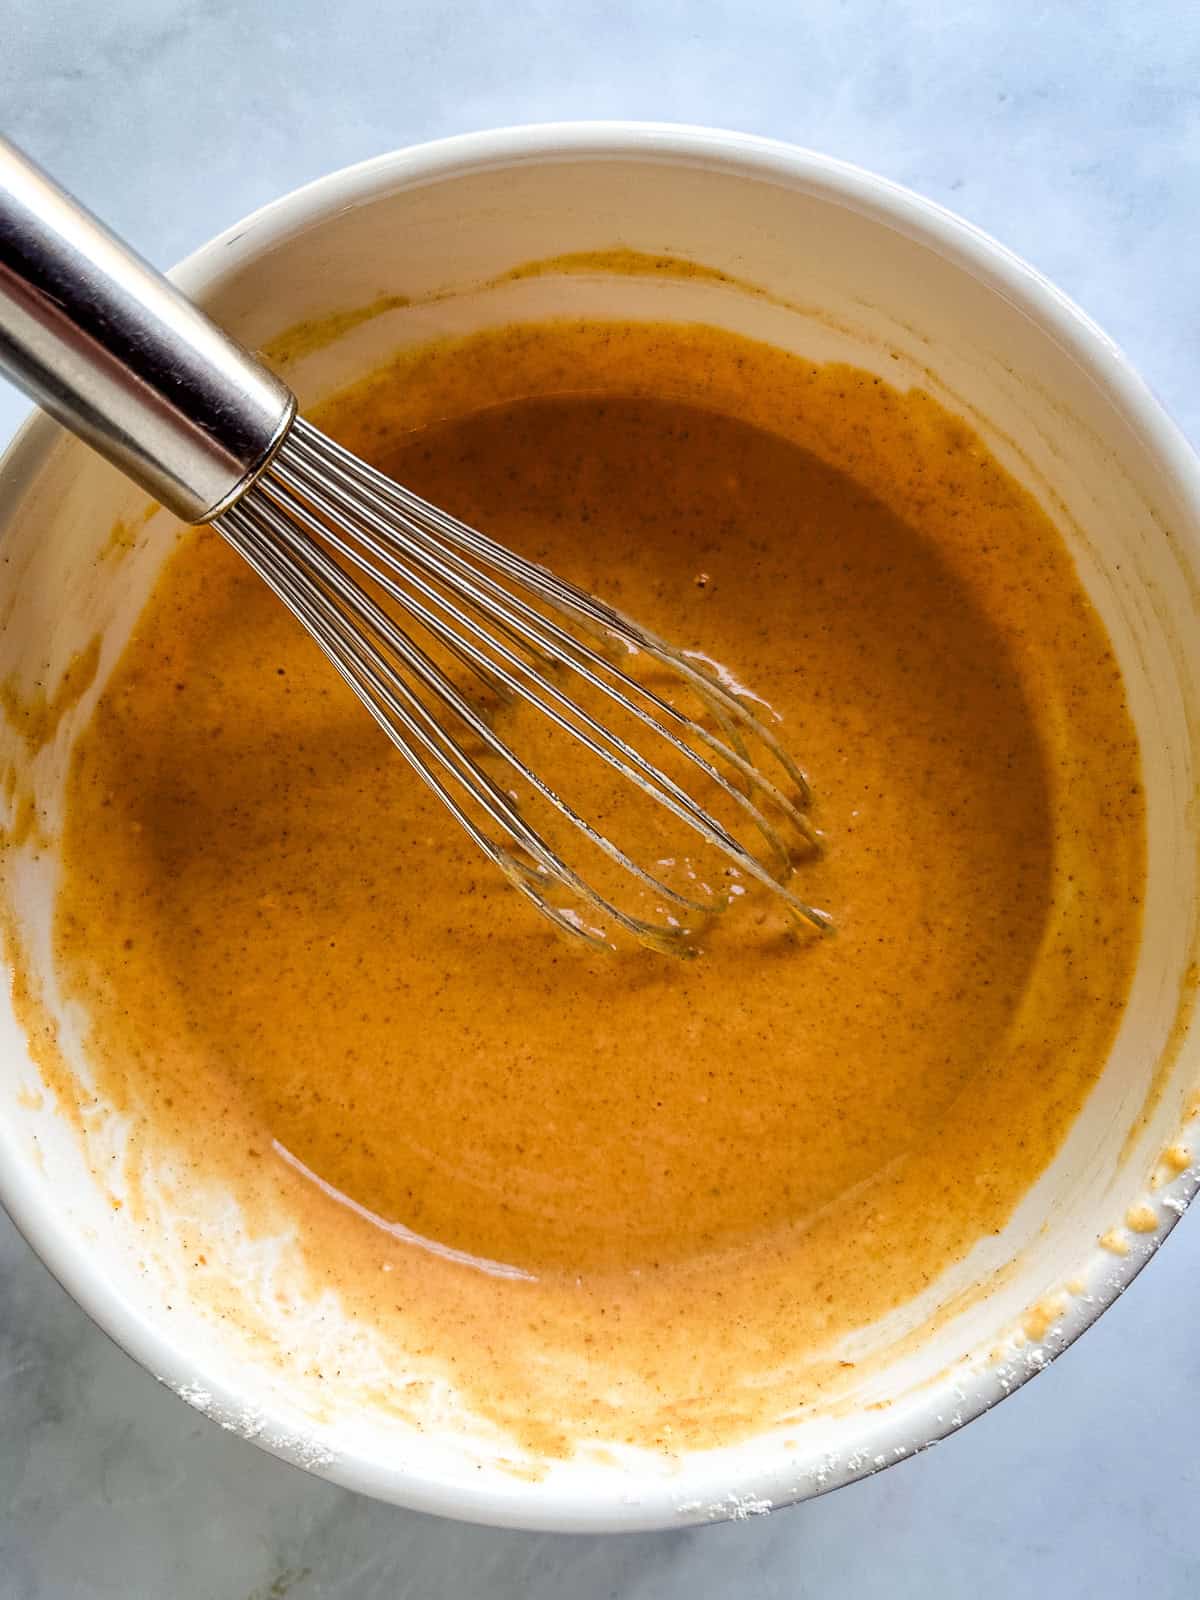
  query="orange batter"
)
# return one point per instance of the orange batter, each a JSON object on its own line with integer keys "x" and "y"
{"x": 619, "y": 1195}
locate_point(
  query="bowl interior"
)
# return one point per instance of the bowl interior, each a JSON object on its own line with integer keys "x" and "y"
{"x": 810, "y": 257}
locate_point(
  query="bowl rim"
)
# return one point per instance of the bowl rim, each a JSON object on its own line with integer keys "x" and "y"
{"x": 914, "y": 1424}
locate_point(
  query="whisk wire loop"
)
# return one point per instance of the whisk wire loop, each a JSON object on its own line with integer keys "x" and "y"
{"x": 319, "y": 515}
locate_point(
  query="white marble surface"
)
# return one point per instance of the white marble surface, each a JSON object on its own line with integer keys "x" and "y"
{"x": 1072, "y": 131}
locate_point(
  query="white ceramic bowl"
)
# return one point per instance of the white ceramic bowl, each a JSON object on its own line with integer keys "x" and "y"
{"x": 854, "y": 268}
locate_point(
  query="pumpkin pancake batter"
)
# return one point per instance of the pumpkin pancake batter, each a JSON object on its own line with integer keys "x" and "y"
{"x": 617, "y": 1195}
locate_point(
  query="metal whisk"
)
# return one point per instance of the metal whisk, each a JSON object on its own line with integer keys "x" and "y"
{"x": 458, "y": 647}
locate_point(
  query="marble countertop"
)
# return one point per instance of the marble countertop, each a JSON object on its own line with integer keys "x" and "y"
{"x": 1070, "y": 131}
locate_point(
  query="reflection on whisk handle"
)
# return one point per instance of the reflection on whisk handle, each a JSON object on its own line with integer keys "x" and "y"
{"x": 116, "y": 353}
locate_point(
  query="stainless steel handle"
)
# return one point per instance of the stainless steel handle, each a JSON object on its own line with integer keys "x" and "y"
{"x": 113, "y": 350}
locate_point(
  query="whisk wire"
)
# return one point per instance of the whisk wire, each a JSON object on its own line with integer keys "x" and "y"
{"x": 537, "y": 630}
{"x": 317, "y": 503}
{"x": 372, "y": 616}
{"x": 650, "y": 777}
{"x": 387, "y": 698}
{"x": 325, "y": 459}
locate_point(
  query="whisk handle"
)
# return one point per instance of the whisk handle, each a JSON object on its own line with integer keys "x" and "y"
{"x": 114, "y": 351}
